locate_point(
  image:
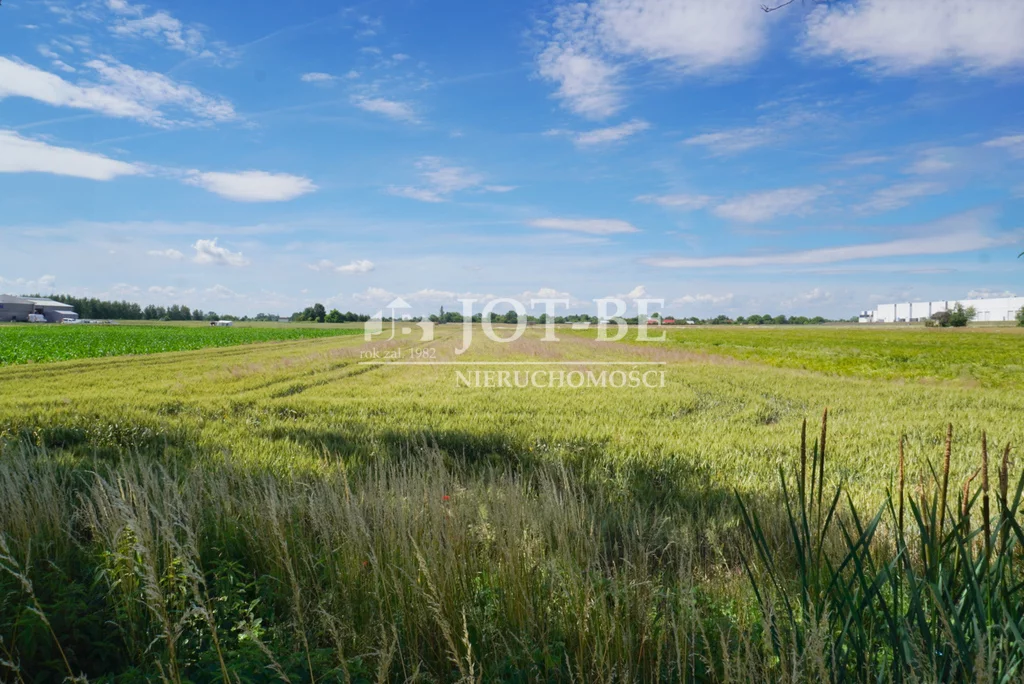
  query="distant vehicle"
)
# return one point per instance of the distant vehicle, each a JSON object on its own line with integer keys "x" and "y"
{"x": 36, "y": 318}
{"x": 222, "y": 324}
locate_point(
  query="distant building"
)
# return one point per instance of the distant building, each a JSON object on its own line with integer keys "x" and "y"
{"x": 992, "y": 309}
{"x": 20, "y": 309}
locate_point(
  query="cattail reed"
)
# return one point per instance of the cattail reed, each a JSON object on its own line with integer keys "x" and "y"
{"x": 803, "y": 463}
{"x": 901, "y": 484}
{"x": 945, "y": 478}
{"x": 986, "y": 520}
{"x": 821, "y": 457}
{"x": 1004, "y": 502}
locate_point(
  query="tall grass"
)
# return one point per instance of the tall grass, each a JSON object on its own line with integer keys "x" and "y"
{"x": 421, "y": 567}
{"x": 938, "y": 599}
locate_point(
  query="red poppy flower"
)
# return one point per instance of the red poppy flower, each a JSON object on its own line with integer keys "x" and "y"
{"x": 446, "y": 498}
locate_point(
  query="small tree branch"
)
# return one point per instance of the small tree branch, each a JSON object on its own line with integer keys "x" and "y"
{"x": 766, "y": 8}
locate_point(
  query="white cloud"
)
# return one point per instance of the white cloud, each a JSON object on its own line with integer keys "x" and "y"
{"x": 317, "y": 77}
{"x": 985, "y": 293}
{"x": 931, "y": 161}
{"x": 591, "y": 45}
{"x": 161, "y": 26}
{"x": 222, "y": 292}
{"x": 1013, "y": 143}
{"x": 590, "y": 226}
{"x": 684, "y": 202}
{"x": 252, "y": 186}
{"x": 209, "y": 252}
{"x": 419, "y": 194}
{"x": 394, "y": 109}
{"x": 358, "y": 266}
{"x": 441, "y": 180}
{"x": 172, "y": 254}
{"x": 124, "y": 92}
{"x": 736, "y": 140}
{"x": 702, "y": 299}
{"x": 901, "y": 36}
{"x": 638, "y": 292}
{"x": 951, "y": 243}
{"x": 899, "y": 195}
{"x": 24, "y": 155}
{"x": 586, "y": 84}
{"x": 26, "y": 286}
{"x": 764, "y": 206}
{"x": 611, "y": 134}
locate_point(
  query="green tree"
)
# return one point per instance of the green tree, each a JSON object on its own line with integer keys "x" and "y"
{"x": 319, "y": 313}
{"x": 1020, "y": 317}
{"x": 959, "y": 317}
{"x": 334, "y": 317}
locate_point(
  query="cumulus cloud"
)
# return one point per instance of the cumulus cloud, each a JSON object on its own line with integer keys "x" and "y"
{"x": 589, "y": 46}
{"x": 393, "y": 109}
{"x": 123, "y": 92}
{"x": 590, "y": 226}
{"x": 25, "y": 155}
{"x": 901, "y": 36}
{"x": 358, "y": 266}
{"x": 764, "y": 206}
{"x": 951, "y": 243}
{"x": 26, "y": 285}
{"x": 252, "y": 186}
{"x": 172, "y": 254}
{"x": 684, "y": 202}
{"x": 209, "y": 252}
{"x": 899, "y": 195}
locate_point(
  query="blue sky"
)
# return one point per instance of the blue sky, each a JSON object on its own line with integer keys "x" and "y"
{"x": 259, "y": 156}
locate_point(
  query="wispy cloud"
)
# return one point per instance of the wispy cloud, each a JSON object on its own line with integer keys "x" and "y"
{"x": 590, "y": 226}
{"x": 252, "y": 186}
{"x": 684, "y": 202}
{"x": 172, "y": 254}
{"x": 25, "y": 155}
{"x": 899, "y": 195}
{"x": 358, "y": 266}
{"x": 317, "y": 77}
{"x": 1013, "y": 143}
{"x": 952, "y": 243}
{"x": 393, "y": 109}
{"x": 124, "y": 92}
{"x": 764, "y": 206}
{"x": 604, "y": 136}
{"x": 441, "y": 180}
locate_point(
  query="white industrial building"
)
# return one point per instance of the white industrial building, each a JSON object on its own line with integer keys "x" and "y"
{"x": 993, "y": 309}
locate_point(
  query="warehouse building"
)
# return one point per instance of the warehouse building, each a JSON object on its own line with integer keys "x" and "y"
{"x": 25, "y": 309}
{"x": 992, "y": 309}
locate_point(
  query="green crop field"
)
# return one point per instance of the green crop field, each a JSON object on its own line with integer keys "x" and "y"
{"x": 289, "y": 512}
{"x": 40, "y": 343}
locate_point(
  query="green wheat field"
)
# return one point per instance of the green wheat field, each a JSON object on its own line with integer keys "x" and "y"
{"x": 279, "y": 510}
